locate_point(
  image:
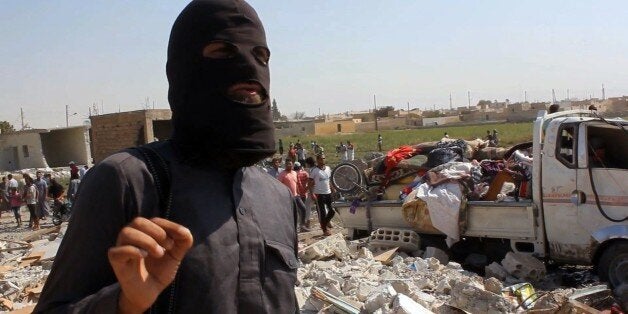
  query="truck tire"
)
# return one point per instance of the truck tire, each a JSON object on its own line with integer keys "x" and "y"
{"x": 613, "y": 264}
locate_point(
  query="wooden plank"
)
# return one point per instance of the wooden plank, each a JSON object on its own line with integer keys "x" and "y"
{"x": 37, "y": 234}
{"x": 30, "y": 259}
{"x": 387, "y": 256}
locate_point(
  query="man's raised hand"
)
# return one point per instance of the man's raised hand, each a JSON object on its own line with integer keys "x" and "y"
{"x": 145, "y": 260}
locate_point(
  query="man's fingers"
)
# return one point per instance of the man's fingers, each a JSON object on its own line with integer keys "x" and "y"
{"x": 121, "y": 255}
{"x": 153, "y": 230}
{"x": 181, "y": 235}
{"x": 140, "y": 240}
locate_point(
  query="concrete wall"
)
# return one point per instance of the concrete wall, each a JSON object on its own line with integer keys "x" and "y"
{"x": 325, "y": 128}
{"x": 294, "y": 128}
{"x": 440, "y": 120}
{"x": 482, "y": 116}
{"x": 387, "y": 124}
{"x": 21, "y": 150}
{"x": 60, "y": 146}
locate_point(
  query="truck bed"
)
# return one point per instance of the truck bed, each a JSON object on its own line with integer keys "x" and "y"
{"x": 508, "y": 220}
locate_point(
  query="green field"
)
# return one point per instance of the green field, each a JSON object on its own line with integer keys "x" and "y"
{"x": 509, "y": 134}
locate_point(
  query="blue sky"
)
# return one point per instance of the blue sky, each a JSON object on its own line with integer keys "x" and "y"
{"x": 327, "y": 55}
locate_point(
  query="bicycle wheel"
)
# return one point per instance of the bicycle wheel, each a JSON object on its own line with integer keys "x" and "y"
{"x": 346, "y": 178}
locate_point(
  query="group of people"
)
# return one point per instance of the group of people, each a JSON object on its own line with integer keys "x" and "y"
{"x": 346, "y": 151}
{"x": 308, "y": 182}
{"x": 35, "y": 193}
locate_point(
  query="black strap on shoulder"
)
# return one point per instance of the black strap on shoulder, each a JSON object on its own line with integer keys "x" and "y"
{"x": 160, "y": 171}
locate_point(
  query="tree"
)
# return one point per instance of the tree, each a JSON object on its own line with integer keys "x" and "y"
{"x": 6, "y": 127}
{"x": 298, "y": 115}
{"x": 383, "y": 111}
{"x": 275, "y": 110}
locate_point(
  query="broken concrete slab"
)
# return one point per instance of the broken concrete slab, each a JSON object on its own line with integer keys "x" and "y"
{"x": 524, "y": 266}
{"x": 493, "y": 285}
{"x": 436, "y": 253}
{"x": 403, "y": 304}
{"x": 477, "y": 300}
{"x": 332, "y": 246}
{"x": 496, "y": 270}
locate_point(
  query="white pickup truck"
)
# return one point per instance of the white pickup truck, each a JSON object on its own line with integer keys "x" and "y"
{"x": 578, "y": 210}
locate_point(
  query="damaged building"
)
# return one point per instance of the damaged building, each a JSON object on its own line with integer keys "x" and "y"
{"x": 116, "y": 131}
{"x": 42, "y": 148}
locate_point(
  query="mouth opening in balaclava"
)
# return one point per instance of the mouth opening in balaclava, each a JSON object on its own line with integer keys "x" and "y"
{"x": 219, "y": 84}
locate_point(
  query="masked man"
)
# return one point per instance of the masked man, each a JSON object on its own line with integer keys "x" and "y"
{"x": 227, "y": 243}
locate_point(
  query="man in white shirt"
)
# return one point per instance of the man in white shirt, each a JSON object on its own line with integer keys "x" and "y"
{"x": 320, "y": 186}
{"x": 12, "y": 182}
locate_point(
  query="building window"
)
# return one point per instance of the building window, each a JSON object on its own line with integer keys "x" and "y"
{"x": 25, "y": 150}
{"x": 303, "y": 129}
{"x": 339, "y": 127}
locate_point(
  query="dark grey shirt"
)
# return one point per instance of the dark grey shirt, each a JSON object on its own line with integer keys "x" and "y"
{"x": 244, "y": 253}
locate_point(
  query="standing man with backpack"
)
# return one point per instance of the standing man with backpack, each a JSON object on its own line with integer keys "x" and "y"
{"x": 149, "y": 242}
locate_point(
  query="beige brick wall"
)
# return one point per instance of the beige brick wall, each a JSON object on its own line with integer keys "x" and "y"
{"x": 113, "y": 132}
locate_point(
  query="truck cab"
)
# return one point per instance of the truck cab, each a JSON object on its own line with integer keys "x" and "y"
{"x": 581, "y": 188}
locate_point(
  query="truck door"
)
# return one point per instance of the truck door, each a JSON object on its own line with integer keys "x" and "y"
{"x": 602, "y": 177}
{"x": 559, "y": 167}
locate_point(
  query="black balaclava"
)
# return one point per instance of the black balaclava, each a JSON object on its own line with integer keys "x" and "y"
{"x": 210, "y": 127}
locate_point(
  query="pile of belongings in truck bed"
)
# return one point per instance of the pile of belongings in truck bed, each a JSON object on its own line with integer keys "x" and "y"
{"x": 455, "y": 171}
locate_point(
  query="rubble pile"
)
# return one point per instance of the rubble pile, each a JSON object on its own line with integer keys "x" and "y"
{"x": 340, "y": 277}
{"x": 25, "y": 265}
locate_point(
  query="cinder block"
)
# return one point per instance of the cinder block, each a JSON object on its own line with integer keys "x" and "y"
{"x": 406, "y": 240}
{"x": 524, "y": 266}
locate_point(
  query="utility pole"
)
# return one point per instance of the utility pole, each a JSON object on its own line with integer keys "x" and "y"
{"x": 375, "y": 112}
{"x": 553, "y": 96}
{"x": 22, "y": 117}
{"x": 603, "y": 93}
{"x": 525, "y": 96}
{"x": 67, "y": 116}
{"x": 469, "y": 98}
{"x": 567, "y": 94}
{"x": 450, "y": 104}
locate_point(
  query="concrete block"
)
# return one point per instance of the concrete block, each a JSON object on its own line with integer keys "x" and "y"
{"x": 434, "y": 264}
{"x": 403, "y": 304}
{"x": 473, "y": 299}
{"x": 379, "y": 299}
{"x": 495, "y": 270}
{"x": 427, "y": 300}
{"x": 524, "y": 266}
{"x": 443, "y": 286}
{"x": 493, "y": 285}
{"x": 331, "y": 246}
{"x": 406, "y": 240}
{"x": 363, "y": 291}
{"x": 437, "y": 253}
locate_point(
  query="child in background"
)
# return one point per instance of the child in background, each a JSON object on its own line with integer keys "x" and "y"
{"x": 15, "y": 200}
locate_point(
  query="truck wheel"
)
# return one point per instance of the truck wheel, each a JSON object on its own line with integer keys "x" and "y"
{"x": 613, "y": 264}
